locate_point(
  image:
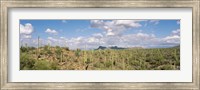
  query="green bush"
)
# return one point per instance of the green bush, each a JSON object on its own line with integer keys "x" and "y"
{"x": 78, "y": 52}
{"x": 46, "y": 47}
{"x": 108, "y": 59}
{"x": 49, "y": 52}
{"x": 88, "y": 61}
{"x": 26, "y": 49}
{"x": 42, "y": 65}
{"x": 67, "y": 49}
{"x": 23, "y": 49}
{"x": 166, "y": 67}
{"x": 58, "y": 50}
{"x": 108, "y": 63}
{"x": 26, "y": 62}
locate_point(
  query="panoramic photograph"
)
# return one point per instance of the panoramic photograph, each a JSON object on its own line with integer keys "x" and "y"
{"x": 99, "y": 44}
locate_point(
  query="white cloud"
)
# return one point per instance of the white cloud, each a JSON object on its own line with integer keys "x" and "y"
{"x": 33, "y": 42}
{"x": 97, "y": 35}
{"x": 97, "y": 23}
{"x": 93, "y": 40}
{"x": 127, "y": 23}
{"x": 51, "y": 39}
{"x": 115, "y": 27}
{"x": 56, "y": 41}
{"x": 155, "y": 22}
{"x": 110, "y": 32}
{"x": 174, "y": 38}
{"x": 113, "y": 36}
{"x": 63, "y": 38}
{"x": 140, "y": 39}
{"x": 129, "y": 40}
{"x": 26, "y": 29}
{"x": 176, "y": 32}
{"x": 50, "y": 31}
{"x": 25, "y": 36}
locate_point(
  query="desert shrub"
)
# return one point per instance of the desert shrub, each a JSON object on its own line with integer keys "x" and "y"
{"x": 57, "y": 47}
{"x": 88, "y": 60}
{"x": 67, "y": 48}
{"x": 23, "y": 49}
{"x": 26, "y": 62}
{"x": 58, "y": 50}
{"x": 42, "y": 52}
{"x": 49, "y": 52}
{"x": 46, "y": 65}
{"x": 107, "y": 59}
{"x": 46, "y": 50}
{"x": 108, "y": 63}
{"x": 78, "y": 52}
{"x": 32, "y": 48}
{"x": 98, "y": 65}
{"x": 166, "y": 67}
{"x": 54, "y": 65}
{"x": 42, "y": 65}
{"x": 46, "y": 47}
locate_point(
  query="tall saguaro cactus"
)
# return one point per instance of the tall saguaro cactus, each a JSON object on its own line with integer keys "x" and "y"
{"x": 38, "y": 50}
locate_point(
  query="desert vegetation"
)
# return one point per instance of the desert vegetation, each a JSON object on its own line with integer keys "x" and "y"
{"x": 98, "y": 44}
{"x": 62, "y": 58}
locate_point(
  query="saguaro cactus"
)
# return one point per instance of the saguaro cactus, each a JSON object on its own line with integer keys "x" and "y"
{"x": 26, "y": 45}
{"x": 38, "y": 50}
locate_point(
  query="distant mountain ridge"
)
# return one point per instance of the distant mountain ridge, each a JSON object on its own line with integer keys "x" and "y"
{"x": 178, "y": 46}
{"x": 113, "y": 47}
{"x": 119, "y": 48}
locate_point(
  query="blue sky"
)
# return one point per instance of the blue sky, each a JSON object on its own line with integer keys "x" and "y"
{"x": 89, "y": 34}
